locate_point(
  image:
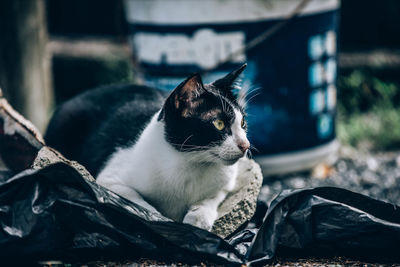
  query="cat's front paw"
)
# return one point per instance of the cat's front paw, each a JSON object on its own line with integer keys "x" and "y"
{"x": 201, "y": 217}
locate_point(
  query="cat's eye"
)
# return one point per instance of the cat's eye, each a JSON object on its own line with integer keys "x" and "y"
{"x": 243, "y": 123}
{"x": 219, "y": 124}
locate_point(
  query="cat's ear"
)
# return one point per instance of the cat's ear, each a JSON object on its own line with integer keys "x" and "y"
{"x": 226, "y": 84}
{"x": 184, "y": 97}
{"x": 188, "y": 91}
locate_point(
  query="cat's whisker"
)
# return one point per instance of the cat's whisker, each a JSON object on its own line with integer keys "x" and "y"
{"x": 251, "y": 91}
{"x": 252, "y": 147}
{"x": 190, "y": 148}
{"x": 251, "y": 98}
{"x": 254, "y": 89}
{"x": 242, "y": 100}
{"x": 190, "y": 136}
{"x": 223, "y": 104}
{"x": 249, "y": 155}
{"x": 250, "y": 115}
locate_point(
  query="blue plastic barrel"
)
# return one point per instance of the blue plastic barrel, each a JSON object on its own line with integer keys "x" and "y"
{"x": 290, "y": 78}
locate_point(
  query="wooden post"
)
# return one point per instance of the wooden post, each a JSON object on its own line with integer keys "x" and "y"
{"x": 24, "y": 62}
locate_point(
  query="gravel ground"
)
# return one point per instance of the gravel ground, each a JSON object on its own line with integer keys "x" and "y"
{"x": 375, "y": 174}
{"x": 279, "y": 262}
{"x": 335, "y": 262}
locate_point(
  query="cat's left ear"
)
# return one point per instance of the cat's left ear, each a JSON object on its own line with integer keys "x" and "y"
{"x": 185, "y": 97}
{"x": 226, "y": 84}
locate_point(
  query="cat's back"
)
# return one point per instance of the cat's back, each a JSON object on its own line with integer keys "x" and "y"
{"x": 91, "y": 126}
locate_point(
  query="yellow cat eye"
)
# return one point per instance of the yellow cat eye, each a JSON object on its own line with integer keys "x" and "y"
{"x": 243, "y": 123}
{"x": 219, "y": 124}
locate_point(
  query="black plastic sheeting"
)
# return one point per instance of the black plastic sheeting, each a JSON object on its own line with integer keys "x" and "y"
{"x": 54, "y": 213}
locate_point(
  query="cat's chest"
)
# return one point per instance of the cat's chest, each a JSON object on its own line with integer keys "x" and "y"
{"x": 189, "y": 184}
{"x": 193, "y": 181}
{"x": 207, "y": 177}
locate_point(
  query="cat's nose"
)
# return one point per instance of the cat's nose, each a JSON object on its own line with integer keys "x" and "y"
{"x": 243, "y": 145}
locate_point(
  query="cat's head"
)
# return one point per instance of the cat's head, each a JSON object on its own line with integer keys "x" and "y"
{"x": 206, "y": 120}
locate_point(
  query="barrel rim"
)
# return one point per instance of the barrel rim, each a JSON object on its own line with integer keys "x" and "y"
{"x": 164, "y": 12}
{"x": 299, "y": 160}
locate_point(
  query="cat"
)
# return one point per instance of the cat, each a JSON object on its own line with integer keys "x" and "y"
{"x": 173, "y": 153}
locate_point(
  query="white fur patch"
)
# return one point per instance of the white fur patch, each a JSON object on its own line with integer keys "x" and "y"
{"x": 184, "y": 186}
{"x": 229, "y": 151}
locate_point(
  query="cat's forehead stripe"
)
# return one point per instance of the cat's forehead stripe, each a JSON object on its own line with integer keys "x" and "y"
{"x": 216, "y": 92}
{"x": 232, "y": 105}
{"x": 211, "y": 113}
{"x": 233, "y": 109}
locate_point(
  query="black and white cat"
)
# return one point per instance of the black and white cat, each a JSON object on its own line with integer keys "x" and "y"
{"x": 176, "y": 153}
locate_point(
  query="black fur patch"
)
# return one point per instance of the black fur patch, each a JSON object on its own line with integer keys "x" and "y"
{"x": 91, "y": 126}
{"x": 192, "y": 107}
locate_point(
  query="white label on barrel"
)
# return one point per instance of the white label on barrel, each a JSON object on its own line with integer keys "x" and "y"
{"x": 205, "y": 48}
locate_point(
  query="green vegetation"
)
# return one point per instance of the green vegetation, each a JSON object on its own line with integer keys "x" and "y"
{"x": 368, "y": 111}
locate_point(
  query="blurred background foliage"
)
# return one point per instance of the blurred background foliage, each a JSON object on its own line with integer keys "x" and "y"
{"x": 368, "y": 110}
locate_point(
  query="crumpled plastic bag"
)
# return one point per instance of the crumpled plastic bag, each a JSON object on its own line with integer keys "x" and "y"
{"x": 54, "y": 213}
